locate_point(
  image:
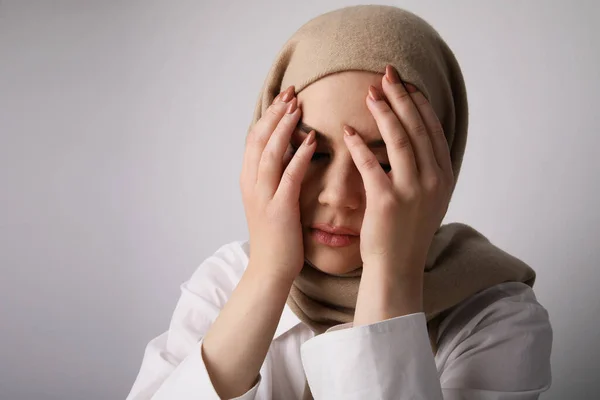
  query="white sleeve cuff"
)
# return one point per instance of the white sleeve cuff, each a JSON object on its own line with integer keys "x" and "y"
{"x": 190, "y": 381}
{"x": 390, "y": 359}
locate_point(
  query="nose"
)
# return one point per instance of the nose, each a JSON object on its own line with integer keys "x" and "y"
{"x": 342, "y": 186}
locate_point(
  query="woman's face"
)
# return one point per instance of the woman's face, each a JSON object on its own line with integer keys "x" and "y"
{"x": 332, "y": 190}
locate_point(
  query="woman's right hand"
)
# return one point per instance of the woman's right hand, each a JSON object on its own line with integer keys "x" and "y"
{"x": 270, "y": 183}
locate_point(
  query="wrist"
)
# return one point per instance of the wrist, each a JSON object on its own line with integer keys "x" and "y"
{"x": 385, "y": 294}
{"x": 269, "y": 278}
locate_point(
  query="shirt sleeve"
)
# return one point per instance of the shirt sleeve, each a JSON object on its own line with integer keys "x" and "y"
{"x": 186, "y": 381}
{"x": 502, "y": 353}
{"x": 173, "y": 366}
{"x": 376, "y": 361}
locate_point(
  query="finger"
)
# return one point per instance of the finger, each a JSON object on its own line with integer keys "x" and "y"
{"x": 271, "y": 165}
{"x": 436, "y": 132}
{"x": 258, "y": 137}
{"x": 291, "y": 181}
{"x": 398, "y": 144}
{"x": 408, "y": 114}
{"x": 374, "y": 177}
{"x": 287, "y": 157}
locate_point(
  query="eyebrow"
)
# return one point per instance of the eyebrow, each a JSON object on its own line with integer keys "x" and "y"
{"x": 378, "y": 143}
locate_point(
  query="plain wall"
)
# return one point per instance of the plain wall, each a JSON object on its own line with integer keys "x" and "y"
{"x": 122, "y": 133}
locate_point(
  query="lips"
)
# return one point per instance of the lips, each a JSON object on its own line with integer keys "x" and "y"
{"x": 335, "y": 230}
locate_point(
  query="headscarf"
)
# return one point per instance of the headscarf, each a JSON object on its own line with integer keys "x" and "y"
{"x": 461, "y": 261}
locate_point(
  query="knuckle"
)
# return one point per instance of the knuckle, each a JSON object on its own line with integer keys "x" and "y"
{"x": 265, "y": 165}
{"x": 385, "y": 109}
{"x": 400, "y": 142}
{"x": 274, "y": 110}
{"x": 288, "y": 178}
{"x": 437, "y": 130}
{"x": 433, "y": 183}
{"x": 387, "y": 202}
{"x": 412, "y": 193}
{"x": 286, "y": 124}
{"x": 401, "y": 95}
{"x": 254, "y": 138}
{"x": 269, "y": 156}
{"x": 370, "y": 163}
{"x": 420, "y": 100}
{"x": 419, "y": 130}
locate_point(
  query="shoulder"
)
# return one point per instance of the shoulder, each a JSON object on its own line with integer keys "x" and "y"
{"x": 220, "y": 272}
{"x": 503, "y": 326}
{"x": 515, "y": 303}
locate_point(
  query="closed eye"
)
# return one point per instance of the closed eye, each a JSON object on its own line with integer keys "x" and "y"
{"x": 320, "y": 156}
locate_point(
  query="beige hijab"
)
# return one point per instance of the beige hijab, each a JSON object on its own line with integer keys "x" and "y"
{"x": 461, "y": 261}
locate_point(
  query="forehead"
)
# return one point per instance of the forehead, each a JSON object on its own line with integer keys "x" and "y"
{"x": 339, "y": 99}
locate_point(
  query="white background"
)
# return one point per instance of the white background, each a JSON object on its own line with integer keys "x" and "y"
{"x": 122, "y": 133}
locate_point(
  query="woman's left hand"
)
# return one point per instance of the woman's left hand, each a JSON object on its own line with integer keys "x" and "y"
{"x": 405, "y": 207}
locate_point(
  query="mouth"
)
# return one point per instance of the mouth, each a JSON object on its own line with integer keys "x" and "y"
{"x": 332, "y": 239}
{"x": 335, "y": 230}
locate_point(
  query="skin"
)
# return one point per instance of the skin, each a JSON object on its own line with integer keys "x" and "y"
{"x": 332, "y": 189}
{"x": 397, "y": 212}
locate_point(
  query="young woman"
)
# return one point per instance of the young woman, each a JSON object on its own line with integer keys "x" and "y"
{"x": 349, "y": 287}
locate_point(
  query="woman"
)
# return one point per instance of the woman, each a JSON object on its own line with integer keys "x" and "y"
{"x": 349, "y": 288}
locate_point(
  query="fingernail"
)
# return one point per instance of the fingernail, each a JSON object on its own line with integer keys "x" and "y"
{"x": 311, "y": 138}
{"x": 391, "y": 74}
{"x": 292, "y": 107}
{"x": 374, "y": 93}
{"x": 288, "y": 94}
{"x": 410, "y": 88}
{"x": 349, "y": 131}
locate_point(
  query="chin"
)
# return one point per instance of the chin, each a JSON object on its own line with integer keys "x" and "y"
{"x": 332, "y": 260}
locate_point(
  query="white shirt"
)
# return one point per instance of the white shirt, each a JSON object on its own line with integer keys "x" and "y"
{"x": 494, "y": 346}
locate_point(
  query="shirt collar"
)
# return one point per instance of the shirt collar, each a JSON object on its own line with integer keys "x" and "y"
{"x": 287, "y": 321}
{"x": 290, "y": 320}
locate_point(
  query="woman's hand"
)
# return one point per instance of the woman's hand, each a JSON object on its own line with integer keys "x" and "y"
{"x": 270, "y": 195}
{"x": 406, "y": 206}
{"x": 270, "y": 183}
